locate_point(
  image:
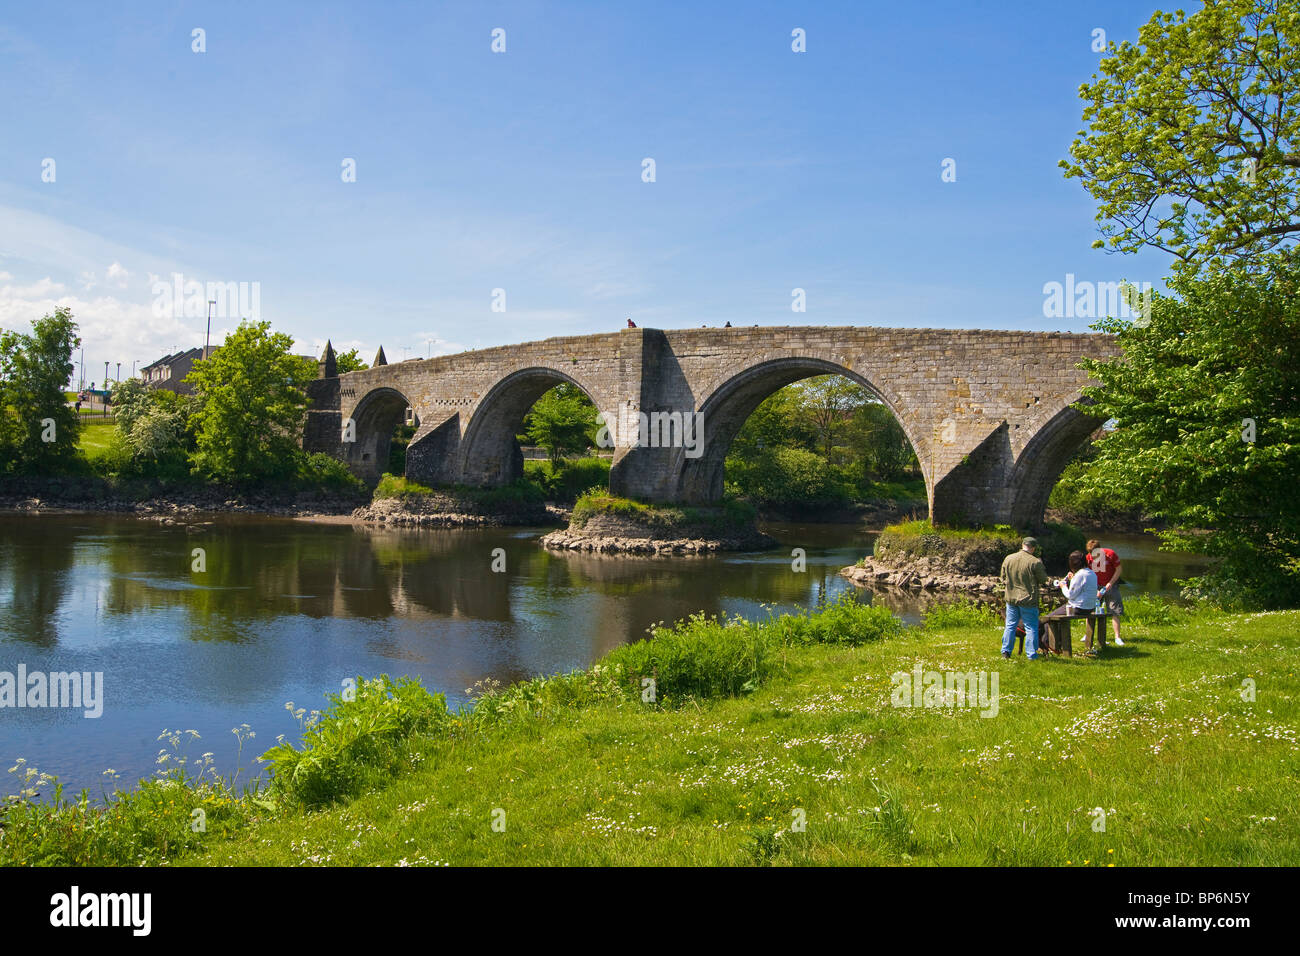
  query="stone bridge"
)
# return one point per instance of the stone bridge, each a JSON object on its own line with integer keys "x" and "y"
{"x": 987, "y": 412}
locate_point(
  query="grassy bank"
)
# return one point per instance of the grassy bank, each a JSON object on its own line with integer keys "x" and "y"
{"x": 971, "y": 550}
{"x": 729, "y": 517}
{"x": 757, "y": 726}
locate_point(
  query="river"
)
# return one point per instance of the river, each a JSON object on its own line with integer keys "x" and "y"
{"x": 287, "y": 610}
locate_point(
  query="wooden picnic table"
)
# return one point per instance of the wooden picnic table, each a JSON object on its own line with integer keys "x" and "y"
{"x": 1054, "y": 634}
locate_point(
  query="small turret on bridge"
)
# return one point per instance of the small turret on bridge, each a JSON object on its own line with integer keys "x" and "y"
{"x": 989, "y": 413}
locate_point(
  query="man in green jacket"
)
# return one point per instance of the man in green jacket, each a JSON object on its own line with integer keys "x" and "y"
{"x": 1022, "y": 575}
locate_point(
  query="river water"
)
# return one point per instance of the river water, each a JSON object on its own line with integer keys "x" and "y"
{"x": 287, "y": 610}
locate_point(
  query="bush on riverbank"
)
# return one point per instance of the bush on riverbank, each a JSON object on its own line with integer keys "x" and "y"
{"x": 970, "y": 551}
{"x": 358, "y": 742}
{"x": 562, "y": 481}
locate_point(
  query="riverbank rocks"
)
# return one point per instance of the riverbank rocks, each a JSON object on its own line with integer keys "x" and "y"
{"x": 918, "y": 577}
{"x": 619, "y": 534}
{"x": 446, "y": 510}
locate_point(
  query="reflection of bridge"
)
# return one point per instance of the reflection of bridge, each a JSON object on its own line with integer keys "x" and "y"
{"x": 988, "y": 413}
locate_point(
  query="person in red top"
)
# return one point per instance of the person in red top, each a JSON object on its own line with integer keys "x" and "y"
{"x": 1106, "y": 564}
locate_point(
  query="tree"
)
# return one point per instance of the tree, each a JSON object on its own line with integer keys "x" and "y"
{"x": 775, "y": 423}
{"x": 1194, "y": 138}
{"x": 38, "y": 429}
{"x": 828, "y": 402}
{"x": 349, "y": 361}
{"x": 879, "y": 445}
{"x": 563, "y": 421}
{"x": 1207, "y": 403}
{"x": 131, "y": 399}
{"x": 252, "y": 406}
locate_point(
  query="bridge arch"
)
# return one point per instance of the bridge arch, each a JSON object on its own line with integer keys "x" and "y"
{"x": 375, "y": 417}
{"x": 490, "y": 454}
{"x": 1039, "y": 465}
{"x": 727, "y": 408}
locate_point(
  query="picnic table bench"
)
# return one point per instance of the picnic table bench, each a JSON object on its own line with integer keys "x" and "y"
{"x": 1054, "y": 631}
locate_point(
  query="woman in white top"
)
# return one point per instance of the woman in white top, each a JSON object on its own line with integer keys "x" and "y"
{"x": 1080, "y": 590}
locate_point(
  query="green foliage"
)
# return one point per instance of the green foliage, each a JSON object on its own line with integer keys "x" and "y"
{"x": 599, "y": 501}
{"x": 397, "y": 447}
{"x": 964, "y": 613}
{"x": 393, "y": 486}
{"x": 701, "y": 657}
{"x": 131, "y": 399}
{"x": 34, "y": 368}
{"x": 320, "y": 471}
{"x": 1152, "y": 610}
{"x": 564, "y": 480}
{"x": 519, "y": 494}
{"x": 1173, "y": 122}
{"x": 253, "y": 406}
{"x": 349, "y": 361}
{"x": 355, "y": 741}
{"x": 155, "y": 431}
{"x": 818, "y": 443}
{"x": 843, "y": 621}
{"x": 730, "y": 516}
{"x": 1080, "y": 503}
{"x": 974, "y": 550}
{"x": 1213, "y": 367}
{"x": 563, "y": 421}
{"x": 788, "y": 476}
{"x": 143, "y": 826}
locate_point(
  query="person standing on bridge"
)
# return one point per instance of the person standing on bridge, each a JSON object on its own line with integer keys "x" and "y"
{"x": 1022, "y": 575}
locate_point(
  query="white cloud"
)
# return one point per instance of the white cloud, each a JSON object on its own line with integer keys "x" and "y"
{"x": 117, "y": 275}
{"x": 112, "y": 329}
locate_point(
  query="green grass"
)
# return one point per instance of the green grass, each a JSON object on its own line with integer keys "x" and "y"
{"x": 980, "y": 547}
{"x": 729, "y": 516}
{"x": 395, "y": 486}
{"x": 786, "y": 726}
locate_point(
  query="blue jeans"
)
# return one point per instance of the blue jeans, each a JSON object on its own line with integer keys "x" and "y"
{"x": 1015, "y": 615}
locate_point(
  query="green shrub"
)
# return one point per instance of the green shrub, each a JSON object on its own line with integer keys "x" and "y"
{"x": 319, "y": 470}
{"x": 597, "y": 501}
{"x": 964, "y": 613}
{"x": 787, "y": 477}
{"x": 520, "y": 493}
{"x": 700, "y": 657}
{"x": 843, "y": 621}
{"x": 355, "y": 742}
{"x": 566, "y": 479}
{"x": 395, "y": 486}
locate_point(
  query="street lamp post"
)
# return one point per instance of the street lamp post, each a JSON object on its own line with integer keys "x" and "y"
{"x": 207, "y": 338}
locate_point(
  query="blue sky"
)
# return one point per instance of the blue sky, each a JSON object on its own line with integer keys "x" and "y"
{"x": 522, "y": 170}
